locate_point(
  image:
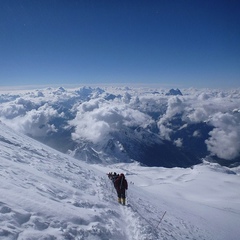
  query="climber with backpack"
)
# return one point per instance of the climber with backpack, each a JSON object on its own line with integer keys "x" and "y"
{"x": 121, "y": 185}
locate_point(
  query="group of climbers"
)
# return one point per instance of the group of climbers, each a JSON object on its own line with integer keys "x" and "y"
{"x": 120, "y": 184}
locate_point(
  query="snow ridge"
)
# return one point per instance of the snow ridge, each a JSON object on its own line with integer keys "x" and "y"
{"x": 49, "y": 195}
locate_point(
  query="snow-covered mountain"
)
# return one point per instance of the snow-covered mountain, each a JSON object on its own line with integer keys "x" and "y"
{"x": 155, "y": 127}
{"x": 174, "y": 92}
{"x": 46, "y": 194}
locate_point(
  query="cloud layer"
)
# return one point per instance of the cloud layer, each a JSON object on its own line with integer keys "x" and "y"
{"x": 97, "y": 118}
{"x": 93, "y": 114}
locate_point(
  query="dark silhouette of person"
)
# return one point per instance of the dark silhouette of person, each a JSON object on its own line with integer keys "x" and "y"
{"x": 121, "y": 185}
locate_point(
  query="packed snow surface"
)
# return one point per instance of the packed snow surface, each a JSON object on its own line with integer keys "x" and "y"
{"x": 48, "y": 195}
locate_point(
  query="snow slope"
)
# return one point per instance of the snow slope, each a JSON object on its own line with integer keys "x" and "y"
{"x": 45, "y": 194}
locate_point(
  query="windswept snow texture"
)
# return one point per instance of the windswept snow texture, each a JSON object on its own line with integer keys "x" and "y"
{"x": 157, "y": 127}
{"x": 48, "y": 195}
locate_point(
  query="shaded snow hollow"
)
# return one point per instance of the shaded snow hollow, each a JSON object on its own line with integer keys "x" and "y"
{"x": 48, "y": 195}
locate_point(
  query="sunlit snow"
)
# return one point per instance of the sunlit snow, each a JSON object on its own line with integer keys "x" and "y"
{"x": 48, "y": 195}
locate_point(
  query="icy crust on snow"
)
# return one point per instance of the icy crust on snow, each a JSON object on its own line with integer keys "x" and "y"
{"x": 48, "y": 195}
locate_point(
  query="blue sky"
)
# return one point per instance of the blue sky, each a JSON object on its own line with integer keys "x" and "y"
{"x": 180, "y": 43}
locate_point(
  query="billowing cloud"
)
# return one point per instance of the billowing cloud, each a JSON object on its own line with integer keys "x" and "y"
{"x": 92, "y": 114}
{"x": 35, "y": 122}
{"x": 224, "y": 139}
{"x": 97, "y": 118}
{"x": 175, "y": 106}
{"x": 217, "y": 109}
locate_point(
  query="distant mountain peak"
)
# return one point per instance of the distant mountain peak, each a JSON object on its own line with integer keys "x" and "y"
{"x": 174, "y": 92}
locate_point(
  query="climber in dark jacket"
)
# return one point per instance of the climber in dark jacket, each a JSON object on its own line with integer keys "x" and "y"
{"x": 121, "y": 186}
{"x": 114, "y": 177}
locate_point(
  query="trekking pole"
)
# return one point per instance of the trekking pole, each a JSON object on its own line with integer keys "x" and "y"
{"x": 161, "y": 218}
{"x": 126, "y": 197}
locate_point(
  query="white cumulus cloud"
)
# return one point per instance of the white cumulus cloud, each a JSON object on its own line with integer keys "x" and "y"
{"x": 97, "y": 118}
{"x": 224, "y": 139}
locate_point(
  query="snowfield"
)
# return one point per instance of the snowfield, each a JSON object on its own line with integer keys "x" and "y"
{"x": 48, "y": 195}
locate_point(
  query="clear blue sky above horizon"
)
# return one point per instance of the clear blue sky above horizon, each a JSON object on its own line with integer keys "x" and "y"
{"x": 179, "y": 43}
